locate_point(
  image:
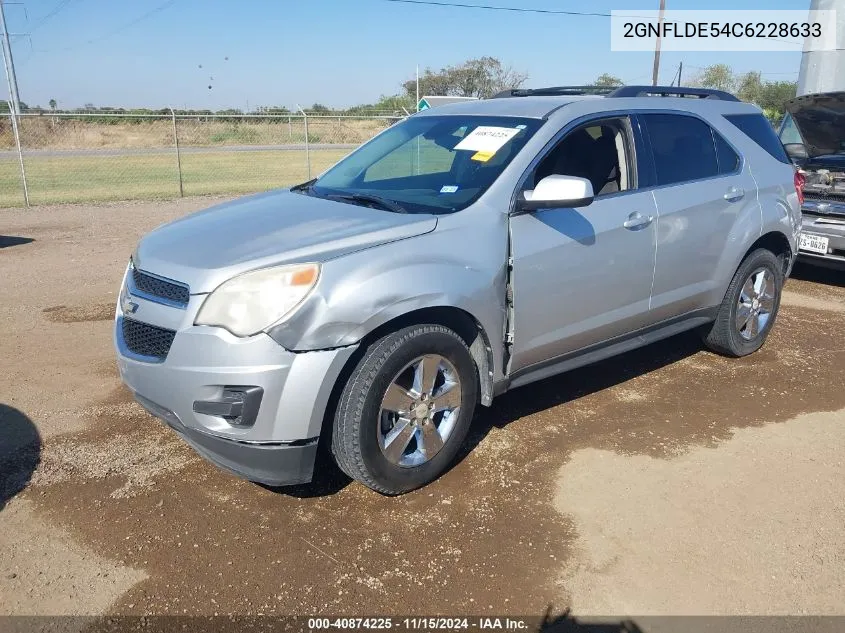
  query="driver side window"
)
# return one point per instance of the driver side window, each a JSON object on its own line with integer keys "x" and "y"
{"x": 598, "y": 151}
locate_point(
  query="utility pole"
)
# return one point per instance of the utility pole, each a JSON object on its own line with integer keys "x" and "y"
{"x": 656, "y": 70}
{"x": 418, "y": 88}
{"x": 9, "y": 63}
{"x": 677, "y": 75}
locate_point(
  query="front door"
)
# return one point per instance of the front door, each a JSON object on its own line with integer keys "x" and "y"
{"x": 584, "y": 276}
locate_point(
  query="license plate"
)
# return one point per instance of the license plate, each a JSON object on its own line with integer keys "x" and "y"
{"x": 813, "y": 243}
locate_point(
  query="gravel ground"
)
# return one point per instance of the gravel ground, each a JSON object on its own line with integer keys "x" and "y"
{"x": 666, "y": 481}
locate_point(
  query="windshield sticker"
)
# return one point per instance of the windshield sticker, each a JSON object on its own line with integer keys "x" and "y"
{"x": 482, "y": 157}
{"x": 448, "y": 188}
{"x": 487, "y": 139}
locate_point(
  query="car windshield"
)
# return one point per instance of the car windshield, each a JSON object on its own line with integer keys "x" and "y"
{"x": 427, "y": 164}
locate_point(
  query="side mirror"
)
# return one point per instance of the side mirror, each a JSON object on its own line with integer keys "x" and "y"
{"x": 558, "y": 191}
{"x": 796, "y": 151}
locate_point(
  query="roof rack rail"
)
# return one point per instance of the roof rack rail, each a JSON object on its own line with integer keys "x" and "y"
{"x": 669, "y": 91}
{"x": 555, "y": 91}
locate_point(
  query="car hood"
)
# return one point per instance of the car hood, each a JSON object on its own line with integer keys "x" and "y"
{"x": 820, "y": 119}
{"x": 206, "y": 248}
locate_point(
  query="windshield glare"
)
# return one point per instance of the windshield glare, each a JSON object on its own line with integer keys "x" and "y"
{"x": 431, "y": 164}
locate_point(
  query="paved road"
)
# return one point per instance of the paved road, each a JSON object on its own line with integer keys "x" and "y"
{"x": 144, "y": 151}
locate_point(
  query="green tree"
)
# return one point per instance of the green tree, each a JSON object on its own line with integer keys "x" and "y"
{"x": 482, "y": 77}
{"x": 718, "y": 77}
{"x": 750, "y": 87}
{"x": 4, "y": 107}
{"x": 771, "y": 96}
{"x": 775, "y": 94}
{"x": 606, "y": 80}
{"x": 53, "y": 105}
{"x": 319, "y": 107}
{"x": 394, "y": 103}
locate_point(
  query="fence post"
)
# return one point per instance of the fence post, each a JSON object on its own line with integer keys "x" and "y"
{"x": 290, "y": 130}
{"x": 17, "y": 134}
{"x": 307, "y": 146}
{"x": 178, "y": 156}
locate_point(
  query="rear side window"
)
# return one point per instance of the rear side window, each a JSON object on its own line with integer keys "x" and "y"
{"x": 728, "y": 158}
{"x": 759, "y": 130}
{"x": 789, "y": 132}
{"x": 683, "y": 148}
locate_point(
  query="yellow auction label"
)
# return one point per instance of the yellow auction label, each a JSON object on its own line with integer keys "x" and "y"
{"x": 483, "y": 156}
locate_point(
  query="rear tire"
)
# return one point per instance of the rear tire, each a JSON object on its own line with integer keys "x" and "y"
{"x": 405, "y": 409}
{"x": 750, "y": 306}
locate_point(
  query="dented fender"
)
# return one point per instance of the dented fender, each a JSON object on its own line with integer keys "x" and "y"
{"x": 362, "y": 291}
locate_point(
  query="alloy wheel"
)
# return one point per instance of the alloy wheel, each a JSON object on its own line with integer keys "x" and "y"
{"x": 419, "y": 411}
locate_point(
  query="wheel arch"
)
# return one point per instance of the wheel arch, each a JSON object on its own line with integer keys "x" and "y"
{"x": 459, "y": 320}
{"x": 777, "y": 243}
{"x": 463, "y": 323}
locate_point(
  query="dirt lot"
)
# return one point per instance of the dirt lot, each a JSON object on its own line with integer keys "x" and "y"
{"x": 669, "y": 480}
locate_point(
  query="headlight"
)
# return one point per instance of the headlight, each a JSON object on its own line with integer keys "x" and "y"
{"x": 252, "y": 302}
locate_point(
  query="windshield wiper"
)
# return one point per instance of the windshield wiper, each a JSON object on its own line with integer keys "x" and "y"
{"x": 384, "y": 203}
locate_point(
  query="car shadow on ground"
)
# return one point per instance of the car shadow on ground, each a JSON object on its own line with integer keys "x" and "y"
{"x": 522, "y": 402}
{"x": 20, "y": 452}
{"x": 567, "y": 623}
{"x": 818, "y": 274}
{"x": 13, "y": 240}
{"x": 571, "y": 386}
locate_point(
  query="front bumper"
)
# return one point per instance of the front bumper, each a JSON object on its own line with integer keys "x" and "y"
{"x": 271, "y": 464}
{"x": 831, "y": 227}
{"x": 277, "y": 443}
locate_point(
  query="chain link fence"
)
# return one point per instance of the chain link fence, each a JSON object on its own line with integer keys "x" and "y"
{"x": 67, "y": 158}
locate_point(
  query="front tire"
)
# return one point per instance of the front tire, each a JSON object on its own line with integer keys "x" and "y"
{"x": 749, "y": 308}
{"x": 405, "y": 409}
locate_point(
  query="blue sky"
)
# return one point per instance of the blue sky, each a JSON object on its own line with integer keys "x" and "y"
{"x": 336, "y": 52}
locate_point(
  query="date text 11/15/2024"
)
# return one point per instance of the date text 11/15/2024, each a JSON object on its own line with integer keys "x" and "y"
{"x": 420, "y": 624}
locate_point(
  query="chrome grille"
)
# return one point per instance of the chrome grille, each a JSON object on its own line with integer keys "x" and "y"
{"x": 169, "y": 291}
{"x": 144, "y": 339}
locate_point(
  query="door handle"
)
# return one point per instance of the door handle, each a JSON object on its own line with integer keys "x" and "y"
{"x": 637, "y": 221}
{"x": 734, "y": 194}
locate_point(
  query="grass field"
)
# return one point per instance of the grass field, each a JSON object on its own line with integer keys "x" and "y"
{"x": 45, "y": 132}
{"x": 53, "y": 180}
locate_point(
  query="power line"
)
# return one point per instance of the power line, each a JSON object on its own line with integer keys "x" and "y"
{"x": 61, "y": 5}
{"x": 119, "y": 29}
{"x": 489, "y": 7}
{"x": 132, "y": 23}
{"x": 764, "y": 73}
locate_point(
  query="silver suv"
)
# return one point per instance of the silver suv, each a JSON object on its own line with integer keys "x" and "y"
{"x": 465, "y": 251}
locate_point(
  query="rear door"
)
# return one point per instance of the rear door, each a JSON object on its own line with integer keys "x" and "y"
{"x": 702, "y": 187}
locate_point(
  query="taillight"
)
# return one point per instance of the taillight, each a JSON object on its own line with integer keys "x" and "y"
{"x": 799, "y": 186}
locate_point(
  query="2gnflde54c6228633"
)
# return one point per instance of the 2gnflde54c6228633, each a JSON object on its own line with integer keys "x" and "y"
{"x": 465, "y": 251}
